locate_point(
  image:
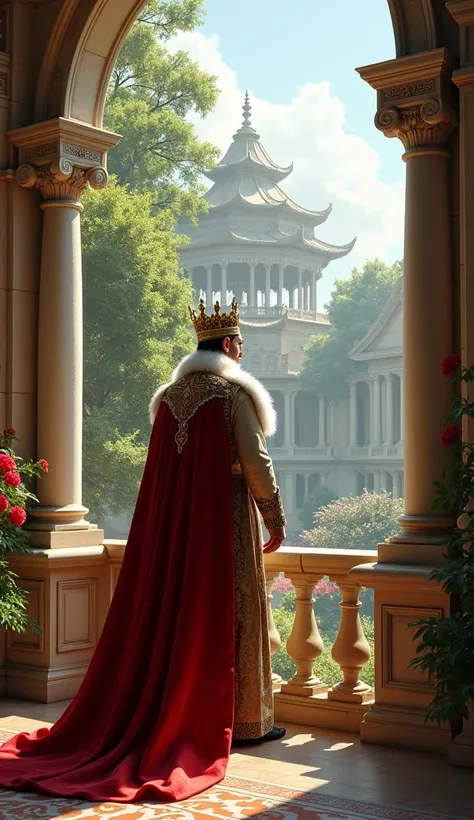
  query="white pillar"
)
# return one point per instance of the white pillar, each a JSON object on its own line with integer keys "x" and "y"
{"x": 209, "y": 293}
{"x": 306, "y": 486}
{"x": 300, "y": 289}
{"x": 313, "y": 301}
{"x": 402, "y": 425}
{"x": 252, "y": 294}
{"x": 322, "y": 422}
{"x": 377, "y": 481}
{"x": 280, "y": 285}
{"x": 389, "y": 410}
{"x": 292, "y": 418}
{"x": 268, "y": 289}
{"x": 398, "y": 484}
{"x": 377, "y": 431}
{"x": 289, "y": 493}
{"x": 224, "y": 286}
{"x": 353, "y": 414}
{"x": 287, "y": 419}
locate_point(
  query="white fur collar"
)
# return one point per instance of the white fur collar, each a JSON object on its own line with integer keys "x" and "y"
{"x": 219, "y": 364}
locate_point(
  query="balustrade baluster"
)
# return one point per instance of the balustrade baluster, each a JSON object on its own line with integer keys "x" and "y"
{"x": 305, "y": 644}
{"x": 351, "y": 650}
{"x": 273, "y": 634}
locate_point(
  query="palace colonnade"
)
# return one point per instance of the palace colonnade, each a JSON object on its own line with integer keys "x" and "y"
{"x": 55, "y": 62}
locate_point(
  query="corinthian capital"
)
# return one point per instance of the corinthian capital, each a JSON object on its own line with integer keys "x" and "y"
{"x": 427, "y": 123}
{"x": 415, "y": 98}
{"x": 61, "y": 157}
{"x": 61, "y": 180}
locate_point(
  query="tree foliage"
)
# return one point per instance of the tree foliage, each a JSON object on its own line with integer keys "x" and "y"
{"x": 135, "y": 301}
{"x": 320, "y": 497}
{"x": 135, "y": 331}
{"x": 354, "y": 306}
{"x": 355, "y": 522}
{"x": 153, "y": 90}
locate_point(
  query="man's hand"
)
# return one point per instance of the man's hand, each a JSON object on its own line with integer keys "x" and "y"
{"x": 277, "y": 536}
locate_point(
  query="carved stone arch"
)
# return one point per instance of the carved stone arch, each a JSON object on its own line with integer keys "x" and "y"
{"x": 82, "y": 49}
{"x": 422, "y": 25}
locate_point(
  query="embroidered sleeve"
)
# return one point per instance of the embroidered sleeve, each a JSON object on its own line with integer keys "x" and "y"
{"x": 272, "y": 510}
{"x": 256, "y": 464}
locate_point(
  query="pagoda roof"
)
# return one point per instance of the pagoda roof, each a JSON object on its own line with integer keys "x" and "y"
{"x": 246, "y": 175}
{"x": 246, "y": 153}
{"x": 251, "y": 235}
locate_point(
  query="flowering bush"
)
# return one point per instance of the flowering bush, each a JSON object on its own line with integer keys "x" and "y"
{"x": 446, "y": 645}
{"x": 16, "y": 476}
{"x": 356, "y": 522}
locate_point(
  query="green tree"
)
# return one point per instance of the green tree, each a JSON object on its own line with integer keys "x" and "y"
{"x": 151, "y": 95}
{"x": 353, "y": 307}
{"x": 135, "y": 330}
{"x": 355, "y": 522}
{"x": 135, "y": 301}
{"x": 320, "y": 497}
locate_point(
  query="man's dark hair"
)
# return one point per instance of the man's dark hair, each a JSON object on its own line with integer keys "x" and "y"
{"x": 214, "y": 345}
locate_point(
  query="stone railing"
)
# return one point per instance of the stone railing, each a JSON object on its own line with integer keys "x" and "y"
{"x": 376, "y": 451}
{"x": 308, "y": 453}
{"x": 305, "y": 699}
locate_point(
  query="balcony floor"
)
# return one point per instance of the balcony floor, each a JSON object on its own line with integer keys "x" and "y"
{"x": 319, "y": 763}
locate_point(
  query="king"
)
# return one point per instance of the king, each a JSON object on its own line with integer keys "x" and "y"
{"x": 182, "y": 668}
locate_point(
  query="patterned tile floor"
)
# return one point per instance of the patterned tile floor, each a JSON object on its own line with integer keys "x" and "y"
{"x": 310, "y": 775}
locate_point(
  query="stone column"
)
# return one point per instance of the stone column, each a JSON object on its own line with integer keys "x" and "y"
{"x": 398, "y": 484}
{"x": 289, "y": 493}
{"x": 377, "y": 481}
{"x": 353, "y": 414}
{"x": 293, "y": 419}
{"x": 416, "y": 104}
{"x": 322, "y": 422}
{"x": 377, "y": 425}
{"x": 313, "y": 302}
{"x": 209, "y": 291}
{"x": 389, "y": 410}
{"x": 287, "y": 419}
{"x": 300, "y": 289}
{"x": 60, "y": 357}
{"x": 280, "y": 285}
{"x": 424, "y": 132}
{"x": 252, "y": 294}
{"x": 402, "y": 426}
{"x": 68, "y": 562}
{"x": 224, "y": 286}
{"x": 268, "y": 286}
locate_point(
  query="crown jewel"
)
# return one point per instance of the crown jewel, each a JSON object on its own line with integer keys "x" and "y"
{"x": 217, "y": 325}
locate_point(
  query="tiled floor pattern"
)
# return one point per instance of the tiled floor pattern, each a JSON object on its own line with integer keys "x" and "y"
{"x": 310, "y": 775}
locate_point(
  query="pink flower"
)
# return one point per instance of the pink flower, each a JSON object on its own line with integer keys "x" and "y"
{"x": 282, "y": 585}
{"x": 44, "y": 465}
{"x": 9, "y": 432}
{"x": 12, "y": 479}
{"x": 6, "y": 463}
{"x": 325, "y": 589}
{"x": 3, "y": 503}
{"x": 17, "y": 516}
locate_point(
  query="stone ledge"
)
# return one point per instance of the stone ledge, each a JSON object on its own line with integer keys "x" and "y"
{"x": 319, "y": 712}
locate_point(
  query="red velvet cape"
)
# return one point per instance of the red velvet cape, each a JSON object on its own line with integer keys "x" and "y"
{"x": 153, "y": 718}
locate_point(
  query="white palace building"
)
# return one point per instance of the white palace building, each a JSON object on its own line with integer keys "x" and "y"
{"x": 258, "y": 245}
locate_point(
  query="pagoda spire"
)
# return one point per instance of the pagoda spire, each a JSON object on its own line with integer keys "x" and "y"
{"x": 246, "y": 131}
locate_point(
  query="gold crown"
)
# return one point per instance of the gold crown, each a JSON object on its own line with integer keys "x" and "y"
{"x": 216, "y": 326}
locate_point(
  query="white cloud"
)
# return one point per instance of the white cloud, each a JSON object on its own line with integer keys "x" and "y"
{"x": 330, "y": 164}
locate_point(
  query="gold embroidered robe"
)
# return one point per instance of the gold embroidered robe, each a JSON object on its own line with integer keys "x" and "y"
{"x": 254, "y": 489}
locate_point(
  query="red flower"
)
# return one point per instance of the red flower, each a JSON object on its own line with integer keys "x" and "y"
{"x": 450, "y": 436}
{"x": 44, "y": 465}
{"x": 9, "y": 432}
{"x": 3, "y": 503}
{"x": 17, "y": 516}
{"x": 12, "y": 479}
{"x": 6, "y": 463}
{"x": 449, "y": 365}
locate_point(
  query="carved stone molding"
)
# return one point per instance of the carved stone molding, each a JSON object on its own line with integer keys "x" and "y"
{"x": 428, "y": 123}
{"x": 61, "y": 180}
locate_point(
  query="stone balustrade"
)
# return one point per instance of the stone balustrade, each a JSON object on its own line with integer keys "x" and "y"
{"x": 305, "y": 699}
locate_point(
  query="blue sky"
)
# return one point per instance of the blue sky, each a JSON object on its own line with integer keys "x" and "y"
{"x": 298, "y": 61}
